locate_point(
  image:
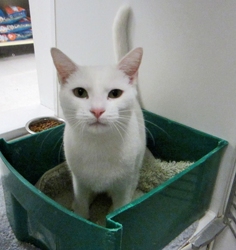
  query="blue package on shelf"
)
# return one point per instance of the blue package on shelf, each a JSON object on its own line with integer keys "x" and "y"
{"x": 16, "y": 36}
{"x": 11, "y": 14}
{"x": 21, "y": 25}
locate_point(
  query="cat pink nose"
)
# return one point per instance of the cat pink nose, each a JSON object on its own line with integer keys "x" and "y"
{"x": 97, "y": 112}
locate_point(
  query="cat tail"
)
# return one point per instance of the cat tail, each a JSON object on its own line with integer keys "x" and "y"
{"x": 120, "y": 32}
{"x": 121, "y": 38}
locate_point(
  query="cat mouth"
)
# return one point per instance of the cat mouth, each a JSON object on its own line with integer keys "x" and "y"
{"x": 97, "y": 123}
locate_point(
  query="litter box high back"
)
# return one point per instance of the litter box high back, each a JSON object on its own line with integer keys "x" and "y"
{"x": 150, "y": 222}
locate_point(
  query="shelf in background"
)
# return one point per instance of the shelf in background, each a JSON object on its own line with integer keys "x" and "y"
{"x": 19, "y": 42}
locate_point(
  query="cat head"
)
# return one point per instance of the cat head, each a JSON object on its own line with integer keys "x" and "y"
{"x": 97, "y": 98}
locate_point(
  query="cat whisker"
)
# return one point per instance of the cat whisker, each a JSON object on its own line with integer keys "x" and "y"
{"x": 147, "y": 121}
{"x": 125, "y": 110}
{"x": 117, "y": 129}
{"x": 121, "y": 126}
{"x": 59, "y": 140}
{"x": 151, "y": 135}
{"x": 83, "y": 127}
{"x": 45, "y": 138}
{"x": 155, "y": 125}
{"x": 49, "y": 135}
{"x": 142, "y": 125}
{"x": 78, "y": 124}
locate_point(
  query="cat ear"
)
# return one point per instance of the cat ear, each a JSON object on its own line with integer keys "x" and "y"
{"x": 130, "y": 63}
{"x": 64, "y": 65}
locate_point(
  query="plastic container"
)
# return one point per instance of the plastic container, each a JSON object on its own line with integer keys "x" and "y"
{"x": 150, "y": 222}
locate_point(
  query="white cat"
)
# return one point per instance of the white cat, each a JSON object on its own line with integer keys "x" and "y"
{"x": 104, "y": 138}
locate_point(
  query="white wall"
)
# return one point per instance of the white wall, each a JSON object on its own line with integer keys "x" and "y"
{"x": 189, "y": 53}
{"x": 43, "y": 26}
{"x": 84, "y": 29}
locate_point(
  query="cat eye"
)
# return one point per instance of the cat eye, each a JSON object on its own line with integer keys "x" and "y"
{"x": 115, "y": 93}
{"x": 80, "y": 92}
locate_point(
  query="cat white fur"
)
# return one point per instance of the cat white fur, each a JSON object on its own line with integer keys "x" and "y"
{"x": 104, "y": 138}
{"x": 120, "y": 32}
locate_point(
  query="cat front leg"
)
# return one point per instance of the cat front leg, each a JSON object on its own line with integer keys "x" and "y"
{"x": 122, "y": 191}
{"x": 82, "y": 198}
{"x": 121, "y": 196}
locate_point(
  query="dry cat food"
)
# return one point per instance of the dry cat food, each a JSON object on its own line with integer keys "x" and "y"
{"x": 44, "y": 125}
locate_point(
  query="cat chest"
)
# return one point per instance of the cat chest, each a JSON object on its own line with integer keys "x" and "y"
{"x": 93, "y": 162}
{"x": 101, "y": 156}
{"x": 98, "y": 171}
{"x": 97, "y": 158}
{"x": 94, "y": 148}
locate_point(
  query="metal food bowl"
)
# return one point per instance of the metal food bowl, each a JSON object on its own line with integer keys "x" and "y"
{"x": 40, "y": 124}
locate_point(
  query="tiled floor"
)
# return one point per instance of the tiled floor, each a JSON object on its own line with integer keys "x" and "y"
{"x": 18, "y": 82}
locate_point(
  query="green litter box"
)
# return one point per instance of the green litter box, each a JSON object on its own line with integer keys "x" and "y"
{"x": 149, "y": 222}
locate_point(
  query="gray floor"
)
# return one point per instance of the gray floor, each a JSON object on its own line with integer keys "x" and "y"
{"x": 18, "y": 82}
{"x": 7, "y": 239}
